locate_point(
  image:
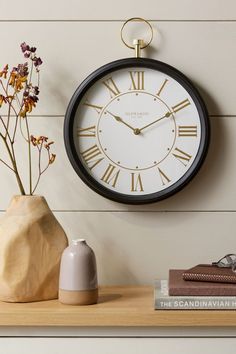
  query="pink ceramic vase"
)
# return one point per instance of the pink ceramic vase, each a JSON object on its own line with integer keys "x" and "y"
{"x": 78, "y": 275}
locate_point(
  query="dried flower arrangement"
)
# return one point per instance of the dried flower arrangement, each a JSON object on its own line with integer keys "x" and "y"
{"x": 19, "y": 95}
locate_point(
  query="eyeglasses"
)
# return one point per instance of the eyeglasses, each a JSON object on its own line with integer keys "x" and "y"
{"x": 228, "y": 261}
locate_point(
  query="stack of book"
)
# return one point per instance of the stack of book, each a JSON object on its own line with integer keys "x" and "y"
{"x": 197, "y": 290}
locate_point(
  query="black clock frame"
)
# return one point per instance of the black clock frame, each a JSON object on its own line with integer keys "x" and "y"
{"x": 69, "y": 130}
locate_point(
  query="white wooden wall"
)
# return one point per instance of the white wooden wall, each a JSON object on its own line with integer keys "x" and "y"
{"x": 134, "y": 244}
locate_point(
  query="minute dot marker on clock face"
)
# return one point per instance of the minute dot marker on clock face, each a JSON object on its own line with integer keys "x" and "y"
{"x": 132, "y": 160}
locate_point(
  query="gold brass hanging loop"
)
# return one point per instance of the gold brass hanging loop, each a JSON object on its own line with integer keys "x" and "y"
{"x": 138, "y": 44}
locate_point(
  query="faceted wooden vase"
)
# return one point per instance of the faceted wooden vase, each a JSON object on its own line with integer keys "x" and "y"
{"x": 31, "y": 245}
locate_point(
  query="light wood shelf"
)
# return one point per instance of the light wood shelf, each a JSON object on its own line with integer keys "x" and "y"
{"x": 118, "y": 307}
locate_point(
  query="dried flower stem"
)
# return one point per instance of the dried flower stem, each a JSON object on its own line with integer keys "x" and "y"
{"x": 39, "y": 168}
{"x": 6, "y": 165}
{"x": 28, "y": 137}
{"x": 29, "y": 154}
{"x": 14, "y": 165}
{"x": 21, "y": 96}
{"x": 40, "y": 172}
{"x": 9, "y": 109}
{"x": 11, "y": 150}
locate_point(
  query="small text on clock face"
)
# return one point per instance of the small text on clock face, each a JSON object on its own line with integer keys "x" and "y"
{"x": 137, "y": 131}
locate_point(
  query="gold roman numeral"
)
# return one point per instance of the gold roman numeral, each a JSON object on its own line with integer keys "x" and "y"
{"x": 162, "y": 87}
{"x": 164, "y": 177}
{"x": 136, "y": 183}
{"x": 109, "y": 176}
{"x": 113, "y": 89}
{"x": 87, "y": 132}
{"x": 137, "y": 80}
{"x": 181, "y": 105}
{"x": 187, "y": 130}
{"x": 90, "y": 156}
{"x": 182, "y": 156}
{"x": 98, "y": 109}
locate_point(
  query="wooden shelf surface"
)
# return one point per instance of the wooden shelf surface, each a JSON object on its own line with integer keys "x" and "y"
{"x": 118, "y": 306}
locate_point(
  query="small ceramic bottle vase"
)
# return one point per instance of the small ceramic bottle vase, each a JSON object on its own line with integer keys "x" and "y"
{"x": 78, "y": 275}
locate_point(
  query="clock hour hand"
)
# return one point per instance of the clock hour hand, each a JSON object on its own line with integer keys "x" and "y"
{"x": 155, "y": 121}
{"x": 119, "y": 119}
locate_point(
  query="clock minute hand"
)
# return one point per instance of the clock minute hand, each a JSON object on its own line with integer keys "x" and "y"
{"x": 155, "y": 121}
{"x": 119, "y": 119}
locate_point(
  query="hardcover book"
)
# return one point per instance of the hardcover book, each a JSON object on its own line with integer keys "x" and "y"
{"x": 210, "y": 273}
{"x": 165, "y": 302}
{"x": 179, "y": 286}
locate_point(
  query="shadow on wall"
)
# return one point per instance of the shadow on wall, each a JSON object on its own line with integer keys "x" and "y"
{"x": 58, "y": 91}
{"x": 201, "y": 190}
{"x": 117, "y": 260}
{"x": 206, "y": 183}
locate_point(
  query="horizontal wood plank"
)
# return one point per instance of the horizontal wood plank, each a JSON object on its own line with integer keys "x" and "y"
{"x": 136, "y": 248}
{"x": 72, "y": 50}
{"x": 121, "y": 10}
{"x": 118, "y": 306}
{"x": 213, "y": 188}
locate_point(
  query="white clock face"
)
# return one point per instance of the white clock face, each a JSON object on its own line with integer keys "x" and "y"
{"x": 137, "y": 131}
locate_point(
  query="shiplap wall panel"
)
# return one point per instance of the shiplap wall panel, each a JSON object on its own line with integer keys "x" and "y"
{"x": 136, "y": 248}
{"x": 204, "y": 51}
{"x": 119, "y": 10}
{"x": 75, "y": 38}
{"x": 212, "y": 189}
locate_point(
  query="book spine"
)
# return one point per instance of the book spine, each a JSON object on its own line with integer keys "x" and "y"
{"x": 208, "y": 291}
{"x": 195, "y": 303}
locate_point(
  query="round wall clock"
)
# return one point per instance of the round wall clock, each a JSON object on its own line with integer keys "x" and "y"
{"x": 136, "y": 130}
